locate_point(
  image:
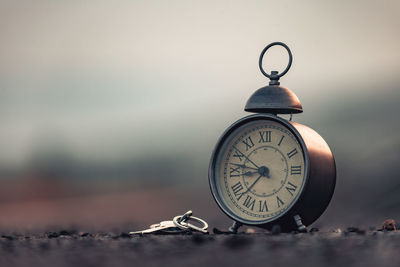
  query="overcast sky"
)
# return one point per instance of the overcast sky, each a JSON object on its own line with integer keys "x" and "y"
{"x": 116, "y": 77}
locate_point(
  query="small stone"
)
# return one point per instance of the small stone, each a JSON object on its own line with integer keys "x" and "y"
{"x": 8, "y": 237}
{"x": 219, "y": 232}
{"x": 250, "y": 231}
{"x": 83, "y": 234}
{"x": 276, "y": 229}
{"x": 64, "y": 232}
{"x": 352, "y": 229}
{"x": 52, "y": 235}
{"x": 314, "y": 229}
{"x": 355, "y": 230}
{"x": 389, "y": 225}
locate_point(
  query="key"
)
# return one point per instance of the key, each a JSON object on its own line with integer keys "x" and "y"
{"x": 168, "y": 226}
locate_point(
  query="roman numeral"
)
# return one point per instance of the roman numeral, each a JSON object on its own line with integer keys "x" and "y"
{"x": 295, "y": 170}
{"x": 263, "y": 206}
{"x": 280, "y": 141}
{"x": 249, "y": 202}
{"x": 238, "y": 154}
{"x": 235, "y": 171}
{"x": 236, "y": 188}
{"x": 279, "y": 201}
{"x": 291, "y": 188}
{"x": 292, "y": 153}
{"x": 265, "y": 137}
{"x": 248, "y": 142}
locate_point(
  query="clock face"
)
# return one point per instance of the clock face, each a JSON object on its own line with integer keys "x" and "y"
{"x": 259, "y": 171}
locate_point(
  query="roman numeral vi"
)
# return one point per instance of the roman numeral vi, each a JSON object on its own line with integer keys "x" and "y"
{"x": 263, "y": 206}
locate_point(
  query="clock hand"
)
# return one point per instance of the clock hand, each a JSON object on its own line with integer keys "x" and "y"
{"x": 264, "y": 172}
{"x": 255, "y": 165}
{"x": 243, "y": 166}
{"x": 248, "y": 173}
{"x": 251, "y": 186}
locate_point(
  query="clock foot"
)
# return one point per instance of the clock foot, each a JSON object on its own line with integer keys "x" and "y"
{"x": 234, "y": 228}
{"x": 300, "y": 226}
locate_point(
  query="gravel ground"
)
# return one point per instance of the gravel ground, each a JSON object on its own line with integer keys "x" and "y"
{"x": 352, "y": 247}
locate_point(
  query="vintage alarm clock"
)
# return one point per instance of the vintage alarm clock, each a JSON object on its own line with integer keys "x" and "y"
{"x": 266, "y": 170}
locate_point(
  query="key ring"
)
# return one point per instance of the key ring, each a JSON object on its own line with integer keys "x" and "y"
{"x": 185, "y": 226}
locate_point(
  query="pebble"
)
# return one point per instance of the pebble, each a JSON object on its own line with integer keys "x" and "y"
{"x": 356, "y": 230}
{"x": 389, "y": 225}
{"x": 65, "y": 232}
{"x": 219, "y": 232}
{"x": 8, "y": 237}
{"x": 250, "y": 231}
{"x": 52, "y": 235}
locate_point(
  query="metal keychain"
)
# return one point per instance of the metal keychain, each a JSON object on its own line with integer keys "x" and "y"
{"x": 184, "y": 225}
{"x": 177, "y": 225}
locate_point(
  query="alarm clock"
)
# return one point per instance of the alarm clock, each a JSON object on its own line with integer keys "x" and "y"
{"x": 266, "y": 170}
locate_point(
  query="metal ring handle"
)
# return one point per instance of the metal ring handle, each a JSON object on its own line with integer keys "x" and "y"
{"x": 277, "y": 76}
{"x": 185, "y": 226}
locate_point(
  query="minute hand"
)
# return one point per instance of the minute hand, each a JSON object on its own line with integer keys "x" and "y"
{"x": 255, "y": 165}
{"x": 243, "y": 166}
{"x": 248, "y": 173}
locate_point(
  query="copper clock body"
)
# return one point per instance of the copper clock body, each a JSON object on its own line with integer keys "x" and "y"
{"x": 265, "y": 170}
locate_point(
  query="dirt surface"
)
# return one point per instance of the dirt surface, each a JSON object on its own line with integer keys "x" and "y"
{"x": 352, "y": 247}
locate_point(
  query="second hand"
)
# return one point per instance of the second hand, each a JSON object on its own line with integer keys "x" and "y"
{"x": 255, "y": 165}
{"x": 251, "y": 186}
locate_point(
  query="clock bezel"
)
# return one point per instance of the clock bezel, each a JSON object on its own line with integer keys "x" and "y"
{"x": 211, "y": 172}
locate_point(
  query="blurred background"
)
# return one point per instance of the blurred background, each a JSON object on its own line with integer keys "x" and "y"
{"x": 109, "y": 111}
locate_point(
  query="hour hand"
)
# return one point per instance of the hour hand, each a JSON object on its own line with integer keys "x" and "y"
{"x": 243, "y": 166}
{"x": 249, "y": 173}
